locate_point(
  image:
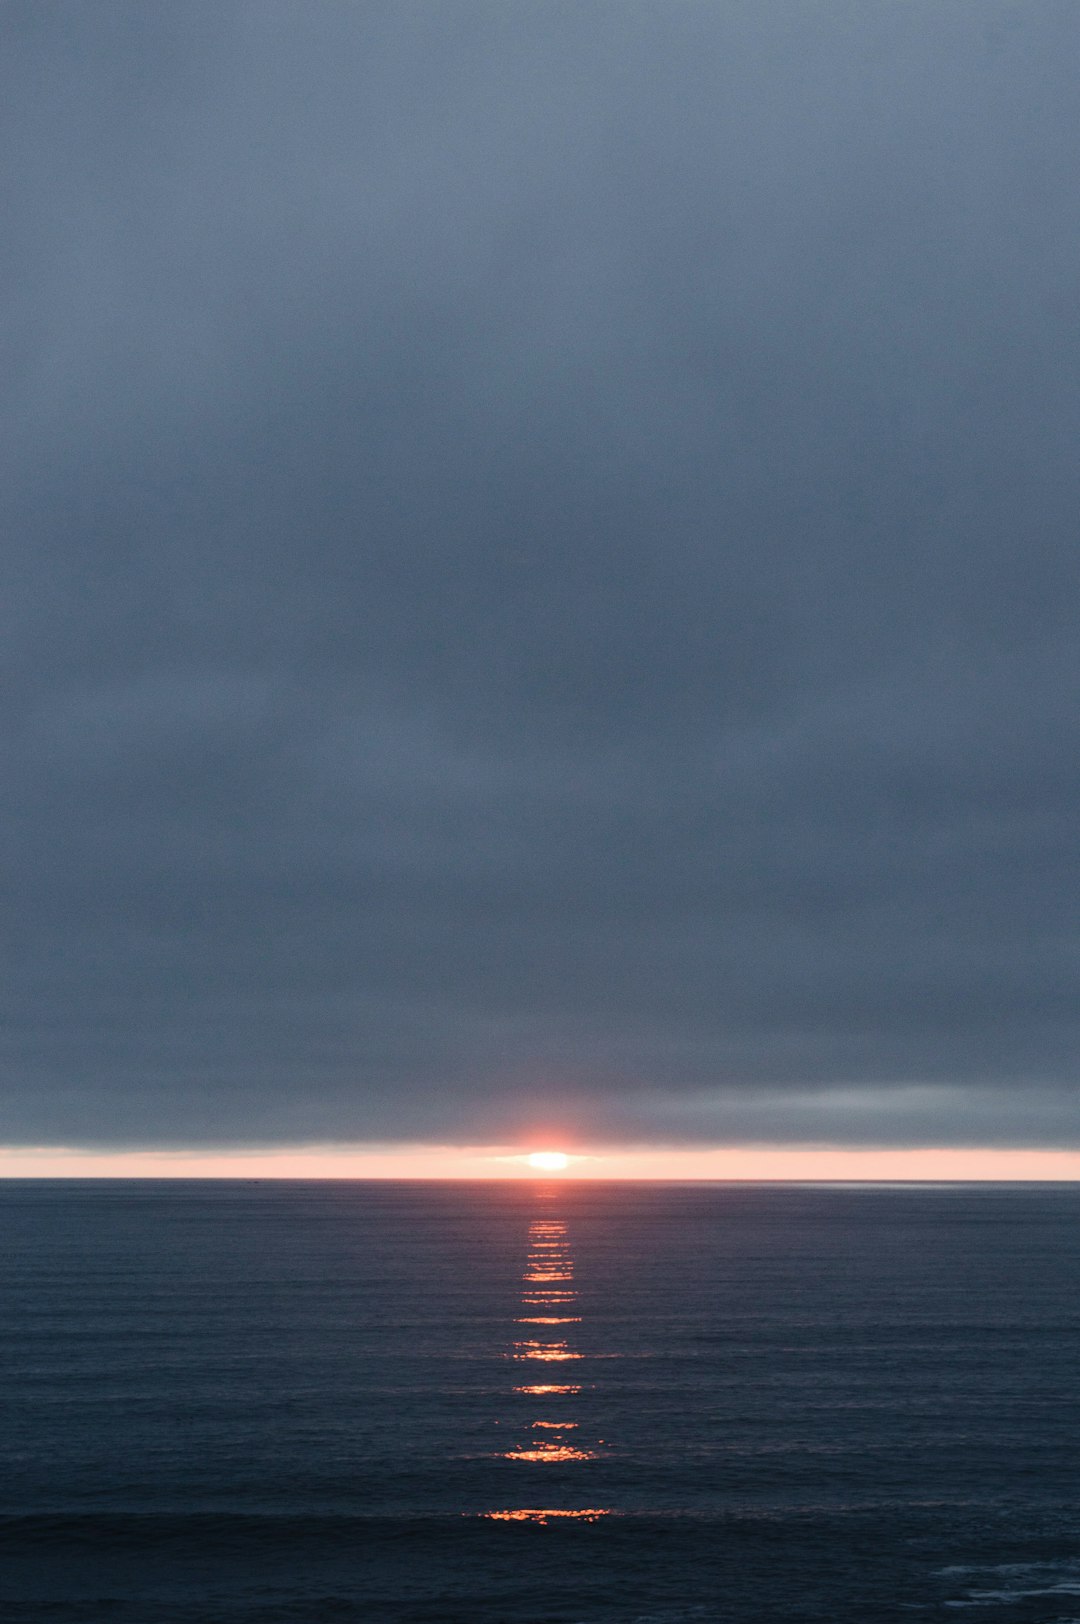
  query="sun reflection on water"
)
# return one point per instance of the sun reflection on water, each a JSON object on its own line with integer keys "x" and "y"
{"x": 539, "y": 1388}
{"x": 548, "y": 1351}
{"x": 548, "y": 1286}
{"x": 542, "y": 1515}
{"x": 549, "y": 1453}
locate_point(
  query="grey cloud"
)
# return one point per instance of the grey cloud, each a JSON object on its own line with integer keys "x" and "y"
{"x": 540, "y": 575}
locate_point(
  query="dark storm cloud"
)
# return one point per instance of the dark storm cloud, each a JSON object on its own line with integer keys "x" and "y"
{"x": 540, "y": 577}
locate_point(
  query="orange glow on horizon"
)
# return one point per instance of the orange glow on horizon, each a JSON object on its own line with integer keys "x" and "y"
{"x": 767, "y": 1163}
{"x": 549, "y": 1161}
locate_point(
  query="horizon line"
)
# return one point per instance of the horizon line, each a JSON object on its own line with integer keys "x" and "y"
{"x": 367, "y": 1162}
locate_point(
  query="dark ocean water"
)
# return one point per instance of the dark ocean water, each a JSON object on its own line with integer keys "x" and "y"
{"x": 334, "y": 1402}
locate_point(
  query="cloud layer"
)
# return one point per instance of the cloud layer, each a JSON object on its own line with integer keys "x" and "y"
{"x": 541, "y": 581}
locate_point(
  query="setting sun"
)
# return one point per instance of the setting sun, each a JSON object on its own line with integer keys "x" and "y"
{"x": 549, "y": 1161}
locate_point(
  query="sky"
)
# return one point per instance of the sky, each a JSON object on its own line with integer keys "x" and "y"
{"x": 539, "y": 587}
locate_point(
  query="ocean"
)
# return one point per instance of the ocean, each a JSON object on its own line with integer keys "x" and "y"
{"x": 554, "y": 1403}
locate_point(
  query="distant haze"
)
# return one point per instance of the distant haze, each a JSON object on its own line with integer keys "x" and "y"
{"x": 540, "y": 584}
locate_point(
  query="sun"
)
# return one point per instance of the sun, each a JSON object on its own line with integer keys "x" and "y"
{"x": 549, "y": 1161}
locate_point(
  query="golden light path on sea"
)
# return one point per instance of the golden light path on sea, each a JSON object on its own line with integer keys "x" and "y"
{"x": 549, "y": 1438}
{"x": 539, "y": 1515}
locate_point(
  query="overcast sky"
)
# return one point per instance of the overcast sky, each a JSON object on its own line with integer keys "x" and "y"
{"x": 540, "y": 570}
